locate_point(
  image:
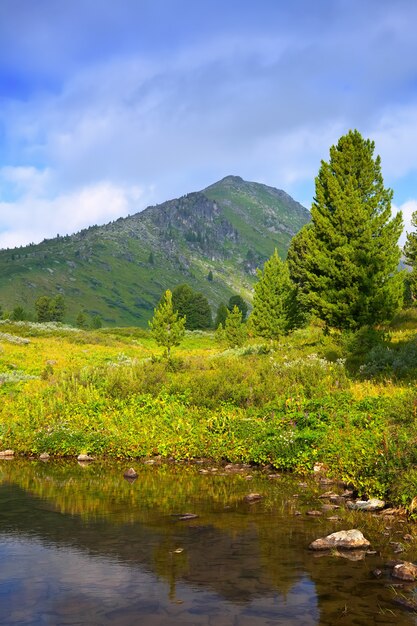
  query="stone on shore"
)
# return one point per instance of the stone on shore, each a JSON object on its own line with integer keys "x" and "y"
{"x": 253, "y": 497}
{"x": 343, "y": 540}
{"x": 84, "y": 457}
{"x": 6, "y": 453}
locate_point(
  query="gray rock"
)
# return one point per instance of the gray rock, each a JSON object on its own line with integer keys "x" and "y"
{"x": 366, "y": 505}
{"x": 342, "y": 540}
{"x": 405, "y": 571}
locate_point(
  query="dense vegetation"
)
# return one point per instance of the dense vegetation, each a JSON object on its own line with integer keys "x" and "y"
{"x": 345, "y": 400}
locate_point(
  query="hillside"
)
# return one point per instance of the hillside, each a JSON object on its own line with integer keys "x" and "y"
{"x": 118, "y": 271}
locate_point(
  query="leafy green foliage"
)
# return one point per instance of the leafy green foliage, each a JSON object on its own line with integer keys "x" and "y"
{"x": 167, "y": 328}
{"x": 345, "y": 262}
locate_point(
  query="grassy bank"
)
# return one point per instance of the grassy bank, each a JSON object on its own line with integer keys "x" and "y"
{"x": 347, "y": 402}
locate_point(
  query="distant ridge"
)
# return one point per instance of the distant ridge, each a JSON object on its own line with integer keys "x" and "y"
{"x": 119, "y": 271}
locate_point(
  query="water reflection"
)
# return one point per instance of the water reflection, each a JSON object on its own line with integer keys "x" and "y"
{"x": 84, "y": 546}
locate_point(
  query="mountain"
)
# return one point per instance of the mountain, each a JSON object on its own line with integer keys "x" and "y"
{"x": 119, "y": 271}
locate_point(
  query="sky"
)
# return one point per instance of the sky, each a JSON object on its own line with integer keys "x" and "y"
{"x": 109, "y": 106}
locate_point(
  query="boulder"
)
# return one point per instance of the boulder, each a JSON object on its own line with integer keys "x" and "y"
{"x": 342, "y": 540}
{"x": 366, "y": 505}
{"x": 405, "y": 571}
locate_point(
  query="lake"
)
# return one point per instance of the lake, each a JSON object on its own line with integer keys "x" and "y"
{"x": 81, "y": 545}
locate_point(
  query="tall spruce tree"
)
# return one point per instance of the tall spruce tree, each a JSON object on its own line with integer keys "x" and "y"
{"x": 272, "y": 299}
{"x": 410, "y": 251}
{"x": 345, "y": 262}
{"x": 192, "y": 305}
{"x": 167, "y": 328}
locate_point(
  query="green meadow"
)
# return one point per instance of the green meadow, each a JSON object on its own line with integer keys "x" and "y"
{"x": 346, "y": 400}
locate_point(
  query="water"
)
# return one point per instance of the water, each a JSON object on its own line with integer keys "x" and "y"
{"x": 83, "y": 546}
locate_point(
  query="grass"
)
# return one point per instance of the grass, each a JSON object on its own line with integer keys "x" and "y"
{"x": 343, "y": 401}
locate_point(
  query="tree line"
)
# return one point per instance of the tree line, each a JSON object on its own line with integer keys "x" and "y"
{"x": 342, "y": 268}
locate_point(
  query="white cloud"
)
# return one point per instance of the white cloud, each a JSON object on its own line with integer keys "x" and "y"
{"x": 31, "y": 218}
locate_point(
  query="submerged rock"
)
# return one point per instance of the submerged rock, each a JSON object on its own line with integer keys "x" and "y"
{"x": 343, "y": 540}
{"x": 405, "y": 571}
{"x": 373, "y": 504}
{"x": 130, "y": 473}
{"x": 186, "y": 516}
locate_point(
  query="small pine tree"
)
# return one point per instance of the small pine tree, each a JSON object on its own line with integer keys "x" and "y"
{"x": 271, "y": 301}
{"x": 167, "y": 328}
{"x": 81, "y": 321}
{"x": 96, "y": 322}
{"x": 210, "y": 276}
{"x": 234, "y": 330}
{"x": 18, "y": 314}
{"x": 42, "y": 307}
{"x": 151, "y": 259}
{"x": 410, "y": 252}
{"x": 241, "y": 305}
{"x": 57, "y": 308}
{"x": 221, "y": 315}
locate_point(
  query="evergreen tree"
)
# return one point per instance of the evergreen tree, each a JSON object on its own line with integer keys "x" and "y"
{"x": 18, "y": 314}
{"x": 345, "y": 262}
{"x": 167, "y": 328}
{"x": 410, "y": 251}
{"x": 221, "y": 315}
{"x": 192, "y": 305}
{"x": 57, "y": 308}
{"x": 234, "y": 329}
{"x": 271, "y": 301}
{"x": 50, "y": 309}
{"x": 82, "y": 320}
{"x": 96, "y": 322}
{"x": 241, "y": 305}
{"x": 42, "y": 307}
{"x": 210, "y": 276}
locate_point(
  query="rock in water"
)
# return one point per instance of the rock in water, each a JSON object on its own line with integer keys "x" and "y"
{"x": 84, "y": 457}
{"x": 405, "y": 571}
{"x": 6, "y": 453}
{"x": 130, "y": 473}
{"x": 253, "y": 497}
{"x": 342, "y": 540}
{"x": 366, "y": 505}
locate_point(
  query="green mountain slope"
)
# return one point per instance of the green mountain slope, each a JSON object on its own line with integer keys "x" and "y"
{"x": 119, "y": 271}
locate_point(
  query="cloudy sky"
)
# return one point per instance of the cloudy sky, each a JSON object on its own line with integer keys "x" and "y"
{"x": 108, "y": 106}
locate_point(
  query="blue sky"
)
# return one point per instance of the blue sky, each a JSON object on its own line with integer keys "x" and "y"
{"x": 107, "y": 107}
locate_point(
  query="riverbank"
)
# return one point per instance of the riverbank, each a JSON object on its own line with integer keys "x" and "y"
{"x": 346, "y": 402}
